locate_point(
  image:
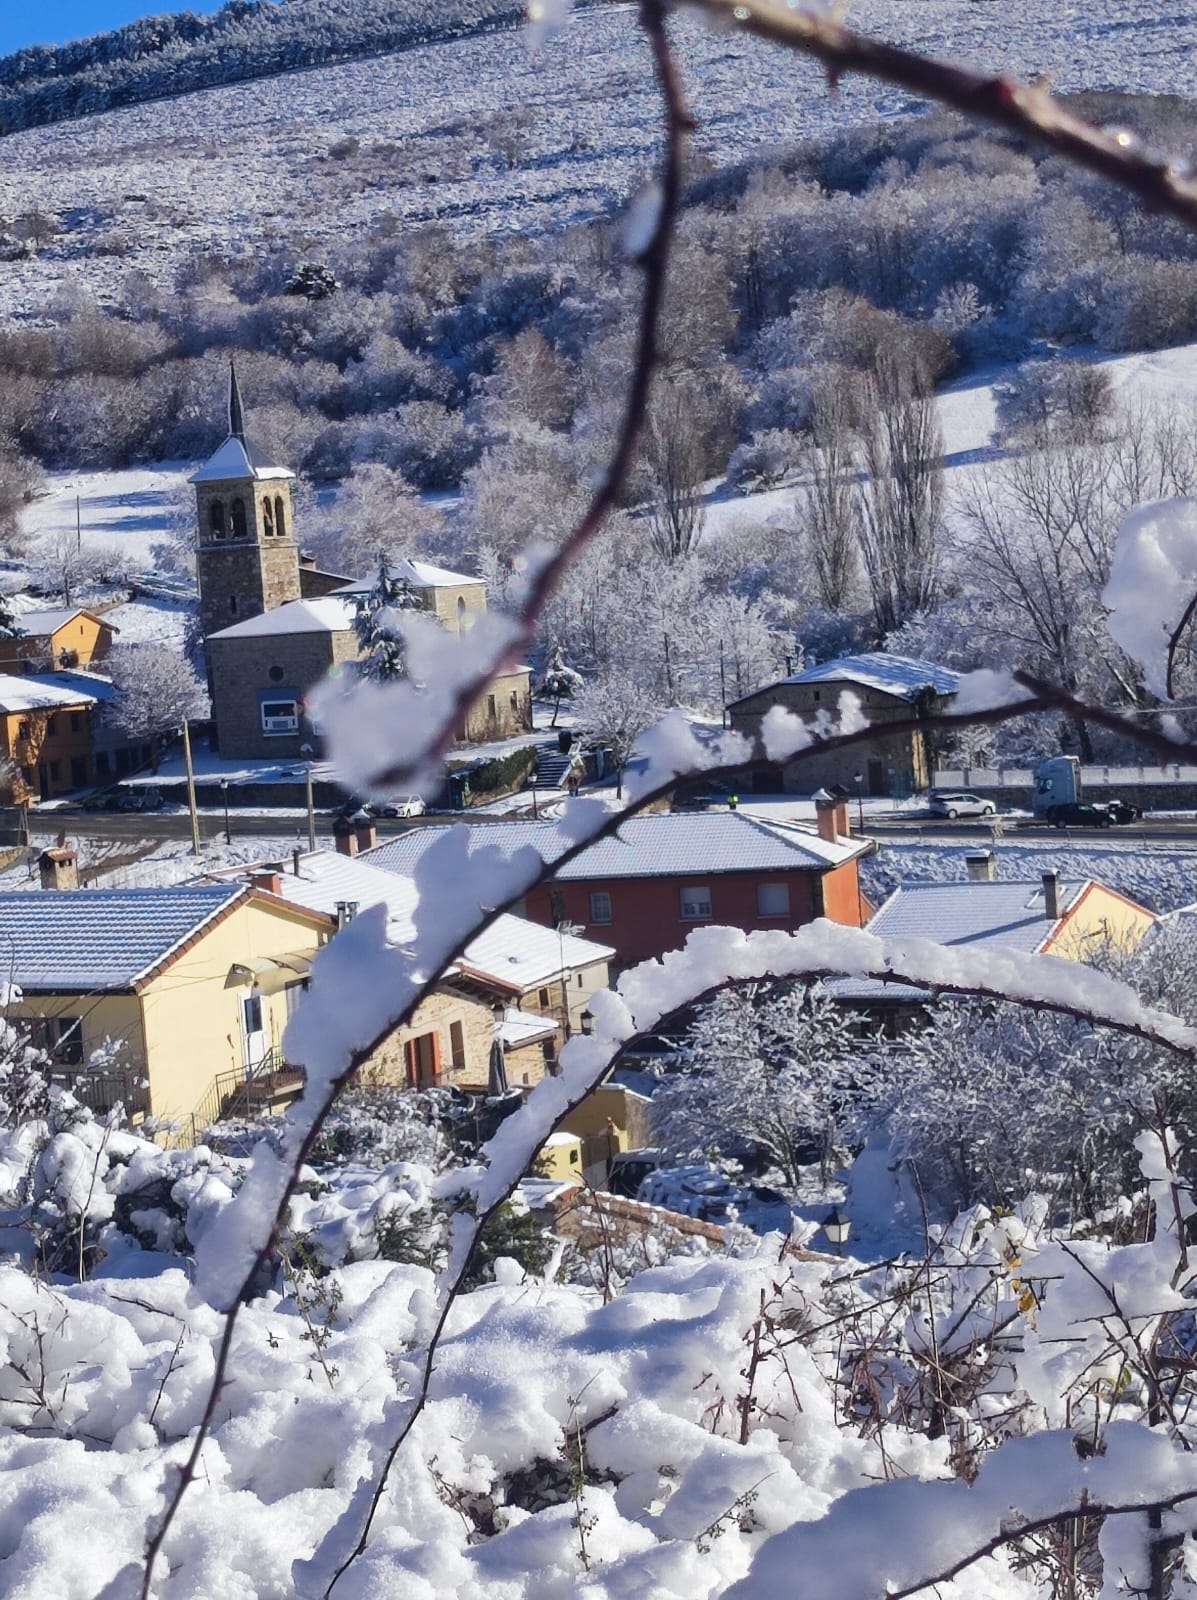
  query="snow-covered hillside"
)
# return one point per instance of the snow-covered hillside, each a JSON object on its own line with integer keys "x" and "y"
{"x": 481, "y": 133}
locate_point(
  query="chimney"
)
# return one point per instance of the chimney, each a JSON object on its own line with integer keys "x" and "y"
{"x": 296, "y": 858}
{"x": 58, "y": 868}
{"x": 346, "y": 911}
{"x": 826, "y": 815}
{"x": 269, "y": 880}
{"x": 345, "y": 836}
{"x": 365, "y": 831}
{"x": 1051, "y": 896}
{"x": 982, "y": 867}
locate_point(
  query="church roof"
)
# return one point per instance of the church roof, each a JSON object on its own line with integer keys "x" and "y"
{"x": 237, "y": 457}
{"x": 327, "y": 614}
{"x": 416, "y": 574}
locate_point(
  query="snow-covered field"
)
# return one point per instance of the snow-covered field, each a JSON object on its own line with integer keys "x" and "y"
{"x": 229, "y": 167}
{"x": 133, "y": 508}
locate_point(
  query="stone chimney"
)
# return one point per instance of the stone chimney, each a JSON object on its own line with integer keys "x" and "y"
{"x": 365, "y": 831}
{"x": 843, "y": 810}
{"x": 345, "y": 835}
{"x": 346, "y": 911}
{"x": 59, "y": 868}
{"x": 827, "y": 815}
{"x": 269, "y": 880}
{"x": 982, "y": 867}
{"x": 1051, "y": 896}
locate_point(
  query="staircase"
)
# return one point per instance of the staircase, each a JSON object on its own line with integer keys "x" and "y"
{"x": 551, "y": 766}
{"x": 231, "y": 1095}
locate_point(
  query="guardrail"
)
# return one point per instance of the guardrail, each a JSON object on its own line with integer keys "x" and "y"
{"x": 1024, "y": 777}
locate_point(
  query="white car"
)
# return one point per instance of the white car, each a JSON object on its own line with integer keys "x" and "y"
{"x": 959, "y": 803}
{"x": 409, "y": 806}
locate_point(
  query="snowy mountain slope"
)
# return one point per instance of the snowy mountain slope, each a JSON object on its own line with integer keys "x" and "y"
{"x": 478, "y": 133}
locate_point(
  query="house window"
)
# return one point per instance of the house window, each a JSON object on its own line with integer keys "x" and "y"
{"x": 600, "y": 906}
{"x": 696, "y": 904}
{"x": 55, "y": 771}
{"x": 492, "y": 709}
{"x": 457, "y": 1046}
{"x": 292, "y": 995}
{"x": 51, "y": 727}
{"x": 280, "y": 518}
{"x": 61, "y": 1038}
{"x": 280, "y": 716}
{"x": 772, "y": 899}
{"x": 423, "y": 1060}
{"x": 22, "y": 730}
{"x": 76, "y": 722}
{"x": 233, "y": 605}
{"x": 251, "y": 1013}
{"x": 238, "y": 518}
{"x": 515, "y": 701}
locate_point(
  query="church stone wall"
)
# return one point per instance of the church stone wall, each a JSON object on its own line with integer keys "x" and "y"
{"x": 242, "y": 577}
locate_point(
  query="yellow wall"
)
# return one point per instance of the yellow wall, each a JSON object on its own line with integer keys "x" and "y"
{"x": 107, "y": 1018}
{"x": 192, "y": 1010}
{"x": 560, "y": 1157}
{"x": 1101, "y": 918}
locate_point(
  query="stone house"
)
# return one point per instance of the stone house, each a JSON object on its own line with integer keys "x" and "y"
{"x": 67, "y": 636}
{"x": 274, "y": 625}
{"x": 889, "y": 689}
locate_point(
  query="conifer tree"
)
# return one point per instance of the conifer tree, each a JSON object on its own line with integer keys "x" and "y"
{"x": 380, "y": 644}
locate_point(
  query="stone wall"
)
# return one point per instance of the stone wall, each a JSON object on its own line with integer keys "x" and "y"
{"x": 258, "y": 571}
{"x": 242, "y": 668}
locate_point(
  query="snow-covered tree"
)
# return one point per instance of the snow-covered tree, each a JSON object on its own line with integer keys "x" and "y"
{"x": 559, "y": 681}
{"x": 380, "y": 644}
{"x": 157, "y": 688}
{"x": 779, "y": 1065}
{"x": 613, "y": 712}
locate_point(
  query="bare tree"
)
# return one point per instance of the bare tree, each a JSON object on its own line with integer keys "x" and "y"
{"x": 829, "y": 501}
{"x": 614, "y": 712}
{"x": 901, "y": 498}
{"x": 675, "y": 451}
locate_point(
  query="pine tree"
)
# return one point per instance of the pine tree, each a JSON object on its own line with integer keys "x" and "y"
{"x": 380, "y": 645}
{"x": 8, "y": 620}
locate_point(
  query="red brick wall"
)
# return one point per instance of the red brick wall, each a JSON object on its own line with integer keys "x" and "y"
{"x": 646, "y": 915}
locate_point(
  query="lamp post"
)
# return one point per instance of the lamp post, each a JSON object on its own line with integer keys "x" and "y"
{"x": 858, "y": 780}
{"x": 837, "y": 1226}
{"x": 224, "y": 795}
{"x": 532, "y": 780}
{"x": 307, "y": 753}
{"x": 587, "y": 1021}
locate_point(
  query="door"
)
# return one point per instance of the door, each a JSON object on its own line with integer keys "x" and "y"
{"x": 876, "y": 776}
{"x": 253, "y": 1036}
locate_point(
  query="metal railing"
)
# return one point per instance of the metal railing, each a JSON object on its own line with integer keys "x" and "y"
{"x": 234, "y": 1094}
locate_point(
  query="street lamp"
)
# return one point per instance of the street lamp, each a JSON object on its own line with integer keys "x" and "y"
{"x": 837, "y": 1226}
{"x": 858, "y": 780}
{"x": 224, "y": 795}
{"x": 587, "y": 1021}
{"x": 535, "y": 813}
{"x": 307, "y": 753}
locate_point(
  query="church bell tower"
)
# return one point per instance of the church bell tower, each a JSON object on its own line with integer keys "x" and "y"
{"x": 247, "y": 559}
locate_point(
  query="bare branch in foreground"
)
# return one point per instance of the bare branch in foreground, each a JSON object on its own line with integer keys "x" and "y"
{"x": 1020, "y": 108}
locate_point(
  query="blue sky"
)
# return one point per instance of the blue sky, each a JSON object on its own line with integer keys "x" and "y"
{"x": 56, "y": 21}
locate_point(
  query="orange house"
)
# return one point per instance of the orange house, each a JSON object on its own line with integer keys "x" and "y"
{"x": 46, "y": 733}
{"x": 65, "y": 637}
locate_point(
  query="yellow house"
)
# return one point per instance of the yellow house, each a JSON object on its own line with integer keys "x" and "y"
{"x": 68, "y": 636}
{"x": 172, "y": 1001}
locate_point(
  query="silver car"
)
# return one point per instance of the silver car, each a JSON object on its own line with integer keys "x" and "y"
{"x": 959, "y": 803}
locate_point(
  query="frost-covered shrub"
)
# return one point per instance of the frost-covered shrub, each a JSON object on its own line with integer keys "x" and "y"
{"x": 1146, "y": 304}
{"x": 1065, "y": 399}
{"x": 764, "y": 460}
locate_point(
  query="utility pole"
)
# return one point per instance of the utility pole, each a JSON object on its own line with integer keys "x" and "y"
{"x": 722, "y": 685}
{"x": 78, "y": 526}
{"x": 307, "y": 753}
{"x": 195, "y": 833}
{"x": 668, "y": 669}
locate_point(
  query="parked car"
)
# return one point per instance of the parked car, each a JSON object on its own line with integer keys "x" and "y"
{"x": 629, "y": 1169}
{"x": 409, "y": 806}
{"x": 1080, "y": 814}
{"x": 959, "y": 803}
{"x": 704, "y": 1193}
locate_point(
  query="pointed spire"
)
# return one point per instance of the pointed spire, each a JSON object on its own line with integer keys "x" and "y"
{"x": 236, "y": 410}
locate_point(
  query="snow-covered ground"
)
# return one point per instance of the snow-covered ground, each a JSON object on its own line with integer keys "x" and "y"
{"x": 231, "y": 167}
{"x": 133, "y": 508}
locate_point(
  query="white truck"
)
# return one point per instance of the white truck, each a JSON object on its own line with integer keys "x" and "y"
{"x": 1057, "y": 783}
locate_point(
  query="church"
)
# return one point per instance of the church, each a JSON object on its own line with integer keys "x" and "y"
{"x": 274, "y": 625}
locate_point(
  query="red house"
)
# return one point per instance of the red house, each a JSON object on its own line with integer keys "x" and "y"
{"x": 643, "y": 889}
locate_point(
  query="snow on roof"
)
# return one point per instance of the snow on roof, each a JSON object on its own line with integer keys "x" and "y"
{"x": 42, "y": 691}
{"x": 903, "y": 676}
{"x": 523, "y": 1027}
{"x": 37, "y": 624}
{"x": 324, "y": 615}
{"x": 514, "y": 953}
{"x": 235, "y": 460}
{"x": 1005, "y": 913}
{"x": 97, "y": 939}
{"x": 417, "y": 574}
{"x": 645, "y": 847}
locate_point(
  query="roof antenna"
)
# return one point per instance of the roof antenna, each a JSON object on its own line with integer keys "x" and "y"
{"x": 236, "y": 410}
